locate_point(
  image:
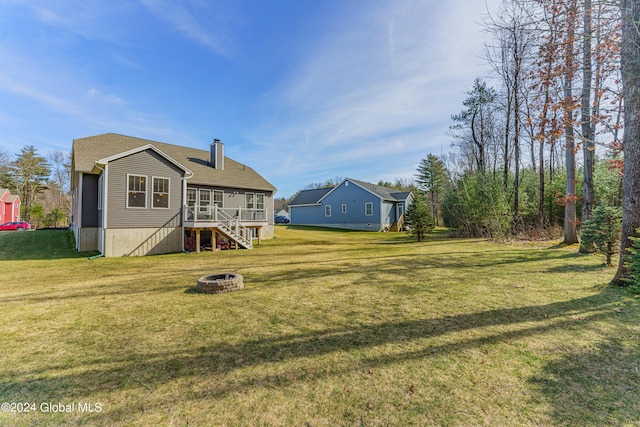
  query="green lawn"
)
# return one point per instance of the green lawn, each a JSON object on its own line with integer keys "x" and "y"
{"x": 332, "y": 329}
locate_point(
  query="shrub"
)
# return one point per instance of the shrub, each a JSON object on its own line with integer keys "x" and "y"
{"x": 477, "y": 206}
{"x": 602, "y": 231}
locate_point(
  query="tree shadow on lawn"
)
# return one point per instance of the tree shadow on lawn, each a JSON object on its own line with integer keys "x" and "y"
{"x": 152, "y": 370}
{"x": 471, "y": 257}
{"x": 594, "y": 388}
{"x": 573, "y": 268}
{"x": 405, "y": 264}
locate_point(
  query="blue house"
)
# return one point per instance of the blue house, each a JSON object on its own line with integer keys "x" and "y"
{"x": 353, "y": 205}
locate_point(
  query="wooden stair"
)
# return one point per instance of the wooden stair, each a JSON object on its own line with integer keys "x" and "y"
{"x": 398, "y": 225}
{"x": 233, "y": 230}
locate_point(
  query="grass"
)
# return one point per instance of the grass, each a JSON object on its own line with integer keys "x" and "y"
{"x": 332, "y": 329}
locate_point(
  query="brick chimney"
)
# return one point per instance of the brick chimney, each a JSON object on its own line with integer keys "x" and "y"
{"x": 217, "y": 155}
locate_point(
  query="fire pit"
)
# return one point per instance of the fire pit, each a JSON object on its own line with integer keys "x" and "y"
{"x": 217, "y": 283}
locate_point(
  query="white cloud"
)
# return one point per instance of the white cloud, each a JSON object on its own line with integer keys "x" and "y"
{"x": 203, "y": 22}
{"x": 89, "y": 19}
{"x": 379, "y": 89}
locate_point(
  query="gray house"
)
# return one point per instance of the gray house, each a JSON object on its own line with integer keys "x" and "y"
{"x": 137, "y": 197}
{"x": 352, "y": 204}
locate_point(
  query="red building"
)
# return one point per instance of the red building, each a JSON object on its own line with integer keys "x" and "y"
{"x": 9, "y": 207}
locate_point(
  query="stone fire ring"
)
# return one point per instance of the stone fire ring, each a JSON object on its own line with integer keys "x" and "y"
{"x": 218, "y": 283}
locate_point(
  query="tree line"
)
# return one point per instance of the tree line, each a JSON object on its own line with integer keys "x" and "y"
{"x": 41, "y": 183}
{"x": 553, "y": 132}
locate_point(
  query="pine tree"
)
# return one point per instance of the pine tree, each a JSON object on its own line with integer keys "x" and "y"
{"x": 602, "y": 231}
{"x": 6, "y": 177}
{"x": 31, "y": 173}
{"x": 431, "y": 178}
{"x": 418, "y": 219}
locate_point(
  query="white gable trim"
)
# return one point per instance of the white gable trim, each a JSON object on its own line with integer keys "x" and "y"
{"x": 140, "y": 149}
{"x": 354, "y": 183}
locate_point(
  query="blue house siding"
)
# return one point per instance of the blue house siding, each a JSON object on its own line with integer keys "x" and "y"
{"x": 307, "y": 215}
{"x": 355, "y": 199}
{"x": 355, "y": 205}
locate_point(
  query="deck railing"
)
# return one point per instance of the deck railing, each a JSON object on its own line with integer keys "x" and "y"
{"x": 211, "y": 213}
{"x": 228, "y": 224}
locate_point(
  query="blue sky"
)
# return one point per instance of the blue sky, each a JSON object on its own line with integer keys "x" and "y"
{"x": 300, "y": 90}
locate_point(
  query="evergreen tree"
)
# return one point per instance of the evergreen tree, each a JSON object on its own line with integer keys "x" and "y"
{"x": 6, "y": 177}
{"x": 602, "y": 231}
{"x": 31, "y": 173}
{"x": 418, "y": 219}
{"x": 475, "y": 126}
{"x": 430, "y": 178}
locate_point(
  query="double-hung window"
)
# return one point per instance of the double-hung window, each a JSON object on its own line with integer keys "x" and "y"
{"x": 260, "y": 202}
{"x": 368, "y": 209}
{"x": 192, "y": 196}
{"x": 250, "y": 201}
{"x": 137, "y": 191}
{"x": 204, "y": 201}
{"x": 327, "y": 210}
{"x": 218, "y": 198}
{"x": 160, "y": 193}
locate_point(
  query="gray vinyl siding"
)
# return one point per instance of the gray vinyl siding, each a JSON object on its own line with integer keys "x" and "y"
{"x": 149, "y": 164}
{"x": 235, "y": 198}
{"x": 89, "y": 201}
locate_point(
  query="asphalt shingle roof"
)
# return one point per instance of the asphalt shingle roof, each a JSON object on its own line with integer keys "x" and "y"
{"x": 86, "y": 151}
{"x": 309, "y": 197}
{"x": 385, "y": 193}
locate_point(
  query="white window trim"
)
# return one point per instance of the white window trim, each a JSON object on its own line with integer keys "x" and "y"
{"x": 153, "y": 192}
{"x": 195, "y": 200}
{"x": 344, "y": 208}
{"x": 246, "y": 201}
{"x": 199, "y": 199}
{"x": 146, "y": 191}
{"x": 327, "y": 210}
{"x": 264, "y": 205}
{"x": 365, "y": 209}
{"x": 213, "y": 198}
